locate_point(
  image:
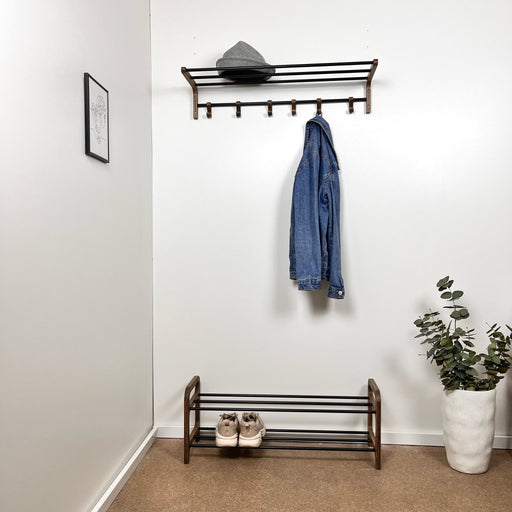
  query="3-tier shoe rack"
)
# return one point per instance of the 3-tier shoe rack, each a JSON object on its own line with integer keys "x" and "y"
{"x": 316, "y": 72}
{"x": 287, "y": 439}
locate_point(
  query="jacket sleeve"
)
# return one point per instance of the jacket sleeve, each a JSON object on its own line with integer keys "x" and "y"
{"x": 305, "y": 252}
{"x": 336, "y": 285}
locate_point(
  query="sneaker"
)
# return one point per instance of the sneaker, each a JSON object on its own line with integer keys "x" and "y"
{"x": 226, "y": 432}
{"x": 252, "y": 429}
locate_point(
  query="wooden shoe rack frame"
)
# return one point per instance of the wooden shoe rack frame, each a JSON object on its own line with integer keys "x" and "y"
{"x": 287, "y": 439}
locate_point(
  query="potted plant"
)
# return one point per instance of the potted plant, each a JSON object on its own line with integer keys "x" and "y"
{"x": 469, "y": 379}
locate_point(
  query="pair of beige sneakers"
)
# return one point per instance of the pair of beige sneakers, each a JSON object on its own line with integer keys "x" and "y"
{"x": 246, "y": 433}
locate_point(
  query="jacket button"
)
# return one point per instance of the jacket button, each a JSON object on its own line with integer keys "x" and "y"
{"x": 340, "y": 293}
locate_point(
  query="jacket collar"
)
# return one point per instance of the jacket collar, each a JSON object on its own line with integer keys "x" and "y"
{"x": 324, "y": 125}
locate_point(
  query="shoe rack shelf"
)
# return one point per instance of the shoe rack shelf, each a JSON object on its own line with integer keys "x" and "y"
{"x": 287, "y": 439}
{"x": 354, "y": 71}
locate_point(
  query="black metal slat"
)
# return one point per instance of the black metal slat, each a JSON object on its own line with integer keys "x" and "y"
{"x": 266, "y": 409}
{"x": 284, "y": 66}
{"x": 290, "y": 430}
{"x": 302, "y": 439}
{"x": 291, "y": 81}
{"x": 280, "y": 402}
{"x": 307, "y": 431}
{"x": 271, "y": 395}
{"x": 277, "y": 447}
{"x": 287, "y": 73}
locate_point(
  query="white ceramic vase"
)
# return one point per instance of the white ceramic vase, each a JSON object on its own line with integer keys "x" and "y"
{"x": 468, "y": 429}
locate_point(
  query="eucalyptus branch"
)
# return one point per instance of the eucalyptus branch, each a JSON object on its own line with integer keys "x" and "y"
{"x": 450, "y": 346}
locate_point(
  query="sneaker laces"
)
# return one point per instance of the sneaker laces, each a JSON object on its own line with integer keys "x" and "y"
{"x": 228, "y": 417}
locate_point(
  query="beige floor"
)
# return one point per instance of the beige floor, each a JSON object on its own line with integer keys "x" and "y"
{"x": 412, "y": 479}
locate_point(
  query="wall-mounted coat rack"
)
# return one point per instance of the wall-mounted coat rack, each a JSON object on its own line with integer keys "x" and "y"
{"x": 357, "y": 71}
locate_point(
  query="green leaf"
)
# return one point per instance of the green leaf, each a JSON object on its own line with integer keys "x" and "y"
{"x": 464, "y": 313}
{"x": 492, "y": 328}
{"x": 443, "y": 281}
{"x": 455, "y": 315}
{"x": 457, "y": 294}
{"x": 451, "y": 366}
{"x": 446, "y": 295}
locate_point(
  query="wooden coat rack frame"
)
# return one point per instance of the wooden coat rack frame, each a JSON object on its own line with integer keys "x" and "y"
{"x": 356, "y": 71}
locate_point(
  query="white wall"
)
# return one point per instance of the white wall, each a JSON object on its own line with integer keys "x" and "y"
{"x": 75, "y": 252}
{"x": 425, "y": 192}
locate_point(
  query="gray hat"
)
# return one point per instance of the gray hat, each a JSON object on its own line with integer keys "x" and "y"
{"x": 244, "y": 55}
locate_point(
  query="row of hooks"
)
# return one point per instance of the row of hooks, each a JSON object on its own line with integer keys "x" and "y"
{"x": 238, "y": 107}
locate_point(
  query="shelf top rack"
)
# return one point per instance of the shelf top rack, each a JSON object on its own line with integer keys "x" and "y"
{"x": 354, "y": 71}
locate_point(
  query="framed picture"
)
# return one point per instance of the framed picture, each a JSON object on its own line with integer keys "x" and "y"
{"x": 96, "y": 119}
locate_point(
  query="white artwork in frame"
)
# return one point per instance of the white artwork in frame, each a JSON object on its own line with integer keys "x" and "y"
{"x": 96, "y": 119}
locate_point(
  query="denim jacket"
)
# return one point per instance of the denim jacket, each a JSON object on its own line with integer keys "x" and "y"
{"x": 315, "y": 253}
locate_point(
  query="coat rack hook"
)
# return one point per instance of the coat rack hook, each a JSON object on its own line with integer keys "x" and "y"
{"x": 319, "y": 106}
{"x": 208, "y": 110}
{"x": 351, "y": 105}
{"x": 238, "y": 109}
{"x": 269, "y": 108}
{"x": 294, "y": 107}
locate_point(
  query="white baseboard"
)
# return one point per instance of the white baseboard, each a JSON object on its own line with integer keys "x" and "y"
{"x": 110, "y": 494}
{"x": 169, "y": 432}
{"x": 405, "y": 438}
{"x": 436, "y": 439}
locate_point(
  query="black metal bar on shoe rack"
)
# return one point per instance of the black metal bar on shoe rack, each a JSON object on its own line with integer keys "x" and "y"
{"x": 280, "y": 402}
{"x": 277, "y": 447}
{"x": 308, "y": 436}
{"x": 289, "y": 400}
{"x": 306, "y": 431}
{"x": 281, "y": 409}
{"x": 339, "y": 440}
{"x": 308, "y": 397}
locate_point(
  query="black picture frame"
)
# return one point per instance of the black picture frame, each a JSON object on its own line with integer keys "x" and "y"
{"x": 97, "y": 119}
